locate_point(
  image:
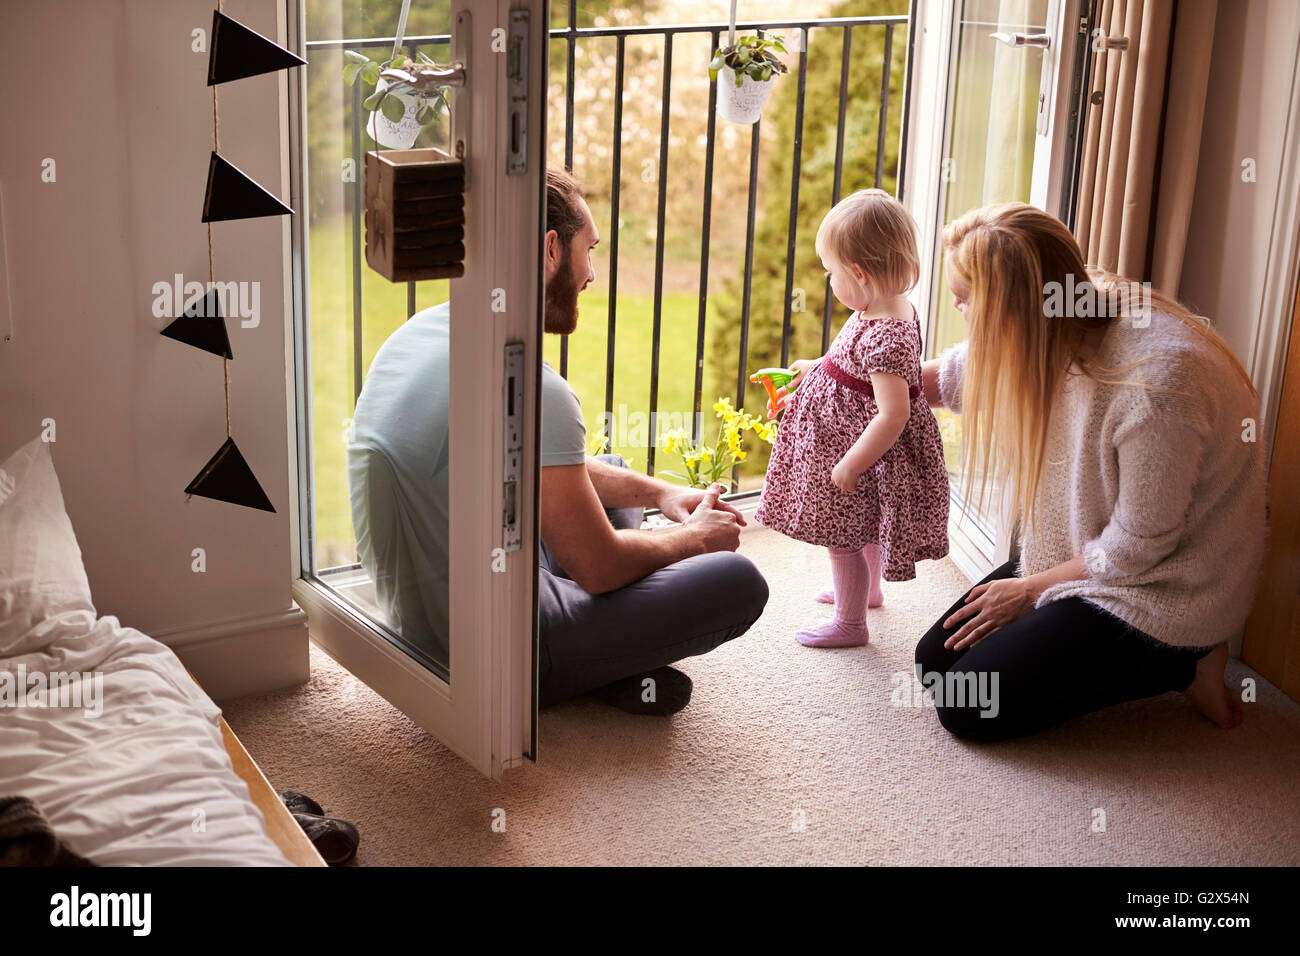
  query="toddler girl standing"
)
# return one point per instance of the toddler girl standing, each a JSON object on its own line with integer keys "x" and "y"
{"x": 857, "y": 465}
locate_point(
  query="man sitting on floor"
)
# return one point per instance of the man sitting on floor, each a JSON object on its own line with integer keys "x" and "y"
{"x": 617, "y": 604}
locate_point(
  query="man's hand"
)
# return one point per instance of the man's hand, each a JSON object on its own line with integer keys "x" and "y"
{"x": 601, "y": 559}
{"x": 677, "y": 503}
{"x": 715, "y": 528}
{"x": 989, "y": 607}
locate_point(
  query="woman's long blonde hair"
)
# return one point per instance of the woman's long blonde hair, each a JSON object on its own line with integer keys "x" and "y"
{"x": 1021, "y": 346}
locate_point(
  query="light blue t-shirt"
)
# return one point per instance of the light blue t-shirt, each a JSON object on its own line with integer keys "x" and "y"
{"x": 564, "y": 436}
{"x": 397, "y": 472}
{"x": 397, "y": 479}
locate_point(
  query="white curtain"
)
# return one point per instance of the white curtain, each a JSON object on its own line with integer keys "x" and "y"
{"x": 1142, "y": 141}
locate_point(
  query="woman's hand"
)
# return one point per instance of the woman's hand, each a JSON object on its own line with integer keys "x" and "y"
{"x": 845, "y": 476}
{"x": 988, "y": 607}
{"x": 783, "y": 393}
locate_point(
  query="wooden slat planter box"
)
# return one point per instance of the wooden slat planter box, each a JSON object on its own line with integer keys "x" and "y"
{"x": 415, "y": 214}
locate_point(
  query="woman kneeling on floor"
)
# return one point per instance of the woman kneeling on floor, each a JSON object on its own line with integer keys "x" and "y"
{"x": 1119, "y": 424}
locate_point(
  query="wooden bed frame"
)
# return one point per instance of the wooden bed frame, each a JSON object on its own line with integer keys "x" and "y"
{"x": 281, "y": 827}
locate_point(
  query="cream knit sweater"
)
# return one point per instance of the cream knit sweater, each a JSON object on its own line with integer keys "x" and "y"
{"x": 1162, "y": 494}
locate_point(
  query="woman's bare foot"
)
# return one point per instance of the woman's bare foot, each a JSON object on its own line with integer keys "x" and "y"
{"x": 1208, "y": 693}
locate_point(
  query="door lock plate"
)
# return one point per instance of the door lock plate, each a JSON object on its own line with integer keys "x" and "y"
{"x": 512, "y": 476}
{"x": 517, "y": 93}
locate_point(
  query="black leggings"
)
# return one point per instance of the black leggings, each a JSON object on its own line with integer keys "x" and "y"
{"x": 1059, "y": 661}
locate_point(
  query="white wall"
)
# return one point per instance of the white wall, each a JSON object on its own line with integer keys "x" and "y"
{"x": 1226, "y": 271}
{"x": 113, "y": 93}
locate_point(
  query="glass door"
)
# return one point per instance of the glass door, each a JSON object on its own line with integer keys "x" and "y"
{"x": 417, "y": 398}
{"x": 1011, "y": 107}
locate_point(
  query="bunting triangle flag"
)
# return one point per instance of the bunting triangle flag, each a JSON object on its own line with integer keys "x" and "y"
{"x": 227, "y": 477}
{"x": 236, "y": 52}
{"x": 202, "y": 326}
{"x": 232, "y": 195}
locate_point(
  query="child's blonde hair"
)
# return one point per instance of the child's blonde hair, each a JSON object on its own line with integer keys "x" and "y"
{"x": 872, "y": 230}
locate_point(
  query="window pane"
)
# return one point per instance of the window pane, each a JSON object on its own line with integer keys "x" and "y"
{"x": 991, "y": 134}
{"x": 378, "y": 469}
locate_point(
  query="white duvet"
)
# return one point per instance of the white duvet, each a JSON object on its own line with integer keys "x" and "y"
{"x": 101, "y": 725}
{"x": 148, "y": 781}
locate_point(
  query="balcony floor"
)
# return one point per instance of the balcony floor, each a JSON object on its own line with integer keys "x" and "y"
{"x": 776, "y": 729}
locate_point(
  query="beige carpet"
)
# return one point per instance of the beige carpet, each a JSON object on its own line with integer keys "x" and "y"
{"x": 789, "y": 755}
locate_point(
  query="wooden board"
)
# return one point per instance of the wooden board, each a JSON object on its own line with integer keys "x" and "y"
{"x": 415, "y": 214}
{"x": 429, "y": 165}
{"x": 281, "y": 827}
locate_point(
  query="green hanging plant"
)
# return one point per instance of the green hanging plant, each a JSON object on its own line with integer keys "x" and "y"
{"x": 751, "y": 56}
{"x": 386, "y": 100}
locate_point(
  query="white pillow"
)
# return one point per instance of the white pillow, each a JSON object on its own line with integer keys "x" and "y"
{"x": 41, "y": 574}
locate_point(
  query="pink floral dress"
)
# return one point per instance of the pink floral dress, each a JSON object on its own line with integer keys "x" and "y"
{"x": 901, "y": 501}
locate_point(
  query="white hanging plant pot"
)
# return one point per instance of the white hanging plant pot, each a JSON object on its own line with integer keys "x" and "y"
{"x": 402, "y": 134}
{"x": 756, "y": 57}
{"x": 742, "y": 104}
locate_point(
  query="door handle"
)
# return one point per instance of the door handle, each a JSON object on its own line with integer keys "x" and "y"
{"x": 1041, "y": 40}
{"x": 1102, "y": 43}
{"x": 431, "y": 78}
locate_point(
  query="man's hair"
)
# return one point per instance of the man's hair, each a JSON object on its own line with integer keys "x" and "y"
{"x": 563, "y": 212}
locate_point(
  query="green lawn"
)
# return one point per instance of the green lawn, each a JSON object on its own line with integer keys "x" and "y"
{"x": 634, "y": 323}
{"x": 384, "y": 309}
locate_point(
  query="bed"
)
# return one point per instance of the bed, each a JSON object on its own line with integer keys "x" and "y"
{"x": 101, "y": 725}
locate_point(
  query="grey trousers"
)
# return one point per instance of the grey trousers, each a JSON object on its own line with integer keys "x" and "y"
{"x": 687, "y": 608}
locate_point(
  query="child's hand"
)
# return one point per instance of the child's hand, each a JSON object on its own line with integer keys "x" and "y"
{"x": 799, "y": 368}
{"x": 845, "y": 476}
{"x": 783, "y": 393}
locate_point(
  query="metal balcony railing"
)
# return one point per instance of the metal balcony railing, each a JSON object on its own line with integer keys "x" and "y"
{"x": 571, "y": 36}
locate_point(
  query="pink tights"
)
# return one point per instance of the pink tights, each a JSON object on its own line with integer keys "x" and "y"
{"x": 856, "y": 576}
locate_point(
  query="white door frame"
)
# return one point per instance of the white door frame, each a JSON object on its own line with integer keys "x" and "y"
{"x": 485, "y": 714}
{"x": 1053, "y": 152}
{"x": 1268, "y": 352}
{"x": 935, "y": 68}
{"x": 928, "y": 117}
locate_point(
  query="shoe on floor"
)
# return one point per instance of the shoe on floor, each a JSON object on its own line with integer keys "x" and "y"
{"x": 335, "y": 840}
{"x": 300, "y": 803}
{"x": 668, "y": 693}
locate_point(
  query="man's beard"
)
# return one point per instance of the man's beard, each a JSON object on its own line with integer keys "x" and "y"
{"x": 561, "y": 300}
